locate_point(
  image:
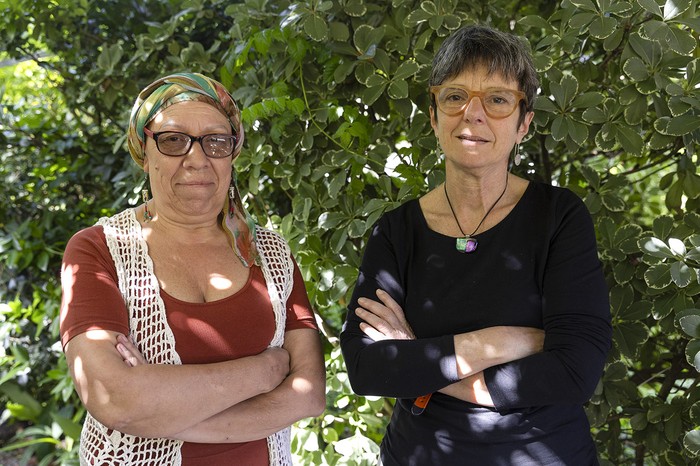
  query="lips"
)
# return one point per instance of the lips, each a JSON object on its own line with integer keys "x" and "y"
{"x": 470, "y": 137}
{"x": 196, "y": 183}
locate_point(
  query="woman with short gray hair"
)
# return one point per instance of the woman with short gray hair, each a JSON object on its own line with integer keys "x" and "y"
{"x": 482, "y": 306}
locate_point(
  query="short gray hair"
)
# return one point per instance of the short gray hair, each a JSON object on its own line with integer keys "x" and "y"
{"x": 501, "y": 53}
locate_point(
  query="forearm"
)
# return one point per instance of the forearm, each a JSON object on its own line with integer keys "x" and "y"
{"x": 471, "y": 389}
{"x": 399, "y": 368}
{"x": 300, "y": 395}
{"x": 488, "y": 347}
{"x": 163, "y": 400}
{"x": 260, "y": 416}
{"x": 159, "y": 400}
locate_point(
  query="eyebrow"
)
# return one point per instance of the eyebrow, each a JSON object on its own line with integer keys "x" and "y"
{"x": 492, "y": 88}
{"x": 167, "y": 126}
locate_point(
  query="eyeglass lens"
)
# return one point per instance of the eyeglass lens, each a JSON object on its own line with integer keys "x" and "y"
{"x": 496, "y": 102}
{"x": 213, "y": 145}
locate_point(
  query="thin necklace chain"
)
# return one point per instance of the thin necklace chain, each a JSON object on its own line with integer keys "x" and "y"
{"x": 483, "y": 218}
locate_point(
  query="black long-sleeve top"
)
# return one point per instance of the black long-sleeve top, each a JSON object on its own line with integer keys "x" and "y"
{"x": 538, "y": 268}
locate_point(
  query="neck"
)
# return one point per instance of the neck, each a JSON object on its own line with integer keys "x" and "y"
{"x": 194, "y": 231}
{"x": 473, "y": 195}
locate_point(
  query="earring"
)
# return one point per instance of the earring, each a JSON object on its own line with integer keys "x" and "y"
{"x": 231, "y": 199}
{"x": 517, "y": 159}
{"x": 145, "y": 195}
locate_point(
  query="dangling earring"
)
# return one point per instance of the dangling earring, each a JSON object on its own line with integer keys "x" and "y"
{"x": 231, "y": 199}
{"x": 145, "y": 195}
{"x": 518, "y": 157}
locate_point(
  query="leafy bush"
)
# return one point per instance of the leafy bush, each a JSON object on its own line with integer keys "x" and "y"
{"x": 335, "y": 101}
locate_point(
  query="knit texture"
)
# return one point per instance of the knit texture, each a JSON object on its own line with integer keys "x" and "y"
{"x": 149, "y": 330}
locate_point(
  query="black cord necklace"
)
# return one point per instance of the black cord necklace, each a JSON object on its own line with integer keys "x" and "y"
{"x": 469, "y": 243}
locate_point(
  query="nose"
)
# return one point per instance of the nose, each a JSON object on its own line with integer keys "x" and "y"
{"x": 196, "y": 157}
{"x": 474, "y": 110}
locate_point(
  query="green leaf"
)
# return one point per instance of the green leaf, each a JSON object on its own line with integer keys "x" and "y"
{"x": 602, "y": 26}
{"x": 544, "y": 104}
{"x": 586, "y": 5}
{"x": 69, "y": 427}
{"x": 371, "y": 94}
{"x": 615, "y": 371}
{"x": 636, "y": 111}
{"x": 559, "y": 128}
{"x": 43, "y": 261}
{"x": 655, "y": 247}
{"x": 595, "y": 116}
{"x": 564, "y": 91}
{"x": 648, "y": 50}
{"x": 109, "y": 58}
{"x": 639, "y": 310}
{"x": 542, "y": 62}
{"x": 691, "y": 185}
{"x": 580, "y": 21}
{"x": 577, "y": 131}
{"x": 663, "y": 226}
{"x": 24, "y": 405}
{"x": 627, "y": 233}
{"x": 681, "y": 274}
{"x": 680, "y": 41}
{"x": 406, "y": 69}
{"x": 316, "y": 27}
{"x": 614, "y": 40}
{"x": 620, "y": 299}
{"x": 356, "y": 8}
{"x": 692, "y": 71}
{"x": 677, "y": 247}
{"x": 330, "y": 220}
{"x": 535, "y": 21}
{"x": 690, "y": 324}
{"x": 588, "y": 99}
{"x": 613, "y": 202}
{"x": 591, "y": 175}
{"x": 659, "y": 412}
{"x": 623, "y": 272}
{"x": 629, "y": 336}
{"x": 682, "y": 125}
{"x": 692, "y": 353}
{"x": 398, "y": 89}
{"x": 691, "y": 442}
{"x": 366, "y": 39}
{"x": 639, "y": 421}
{"x": 675, "y": 8}
{"x": 658, "y": 276}
{"x": 674, "y": 196}
{"x": 630, "y": 140}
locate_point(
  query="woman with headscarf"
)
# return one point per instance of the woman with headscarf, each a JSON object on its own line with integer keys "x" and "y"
{"x": 186, "y": 327}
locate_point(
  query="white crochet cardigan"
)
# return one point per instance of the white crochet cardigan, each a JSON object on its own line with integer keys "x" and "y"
{"x": 149, "y": 328}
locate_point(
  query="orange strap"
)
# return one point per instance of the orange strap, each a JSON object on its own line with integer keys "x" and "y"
{"x": 420, "y": 404}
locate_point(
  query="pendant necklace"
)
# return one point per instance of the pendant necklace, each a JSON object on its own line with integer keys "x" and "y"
{"x": 469, "y": 243}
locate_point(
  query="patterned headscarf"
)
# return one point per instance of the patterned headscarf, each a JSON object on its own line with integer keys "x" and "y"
{"x": 180, "y": 87}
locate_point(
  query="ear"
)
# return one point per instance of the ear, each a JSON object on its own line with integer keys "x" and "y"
{"x": 433, "y": 120}
{"x": 525, "y": 126}
{"x": 145, "y": 164}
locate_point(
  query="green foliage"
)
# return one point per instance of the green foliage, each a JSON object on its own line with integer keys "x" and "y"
{"x": 335, "y": 106}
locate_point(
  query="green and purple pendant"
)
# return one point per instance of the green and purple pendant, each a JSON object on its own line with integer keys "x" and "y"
{"x": 466, "y": 244}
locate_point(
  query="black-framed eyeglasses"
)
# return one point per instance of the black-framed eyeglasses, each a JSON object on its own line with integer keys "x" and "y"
{"x": 453, "y": 99}
{"x": 176, "y": 144}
